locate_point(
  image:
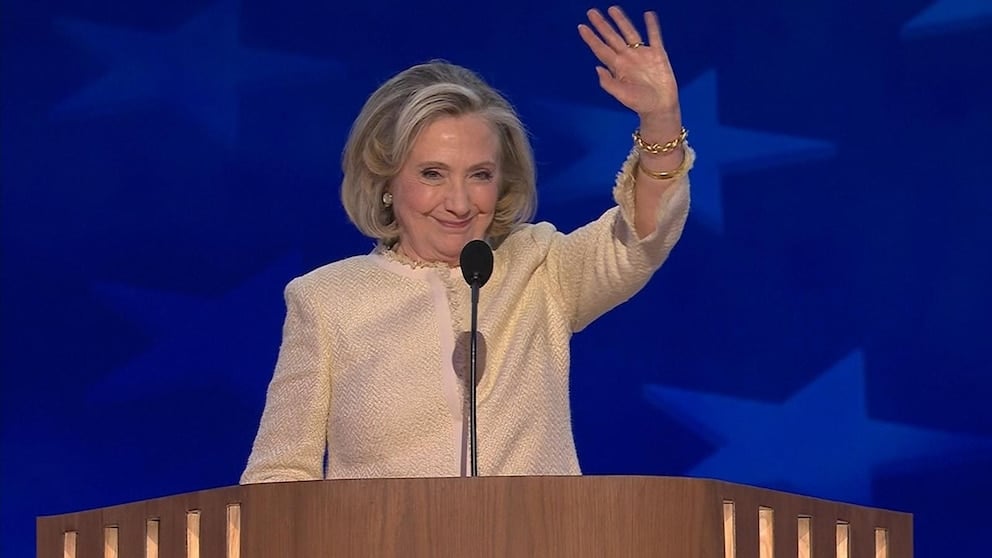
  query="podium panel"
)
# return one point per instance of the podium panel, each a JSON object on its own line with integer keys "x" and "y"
{"x": 574, "y": 517}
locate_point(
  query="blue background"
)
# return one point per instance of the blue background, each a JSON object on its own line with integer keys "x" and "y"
{"x": 823, "y": 326}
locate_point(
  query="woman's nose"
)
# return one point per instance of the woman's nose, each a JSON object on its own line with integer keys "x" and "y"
{"x": 457, "y": 200}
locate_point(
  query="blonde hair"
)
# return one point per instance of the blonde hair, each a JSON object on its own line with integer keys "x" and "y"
{"x": 384, "y": 132}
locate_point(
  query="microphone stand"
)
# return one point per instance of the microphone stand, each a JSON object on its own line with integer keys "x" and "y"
{"x": 472, "y": 375}
{"x": 476, "y": 261}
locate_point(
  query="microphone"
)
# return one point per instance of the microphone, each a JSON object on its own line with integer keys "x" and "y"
{"x": 477, "y": 263}
{"x": 477, "y": 267}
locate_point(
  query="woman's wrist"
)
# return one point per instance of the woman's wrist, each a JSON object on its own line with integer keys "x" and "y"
{"x": 664, "y": 166}
{"x": 661, "y": 126}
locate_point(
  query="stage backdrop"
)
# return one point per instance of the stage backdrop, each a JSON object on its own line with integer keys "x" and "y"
{"x": 823, "y": 327}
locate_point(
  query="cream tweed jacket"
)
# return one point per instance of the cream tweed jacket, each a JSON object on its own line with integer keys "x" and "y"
{"x": 367, "y": 383}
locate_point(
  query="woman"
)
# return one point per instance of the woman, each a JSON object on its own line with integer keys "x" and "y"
{"x": 368, "y": 378}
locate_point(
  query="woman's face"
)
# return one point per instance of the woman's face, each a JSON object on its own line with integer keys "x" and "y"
{"x": 445, "y": 193}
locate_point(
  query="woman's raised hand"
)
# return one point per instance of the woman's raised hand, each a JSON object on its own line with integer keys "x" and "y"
{"x": 636, "y": 72}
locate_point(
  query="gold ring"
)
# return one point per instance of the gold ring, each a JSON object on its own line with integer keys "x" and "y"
{"x": 635, "y": 45}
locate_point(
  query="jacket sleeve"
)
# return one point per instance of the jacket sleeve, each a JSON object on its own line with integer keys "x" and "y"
{"x": 604, "y": 263}
{"x": 292, "y": 436}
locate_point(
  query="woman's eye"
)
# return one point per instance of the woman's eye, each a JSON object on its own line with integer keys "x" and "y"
{"x": 430, "y": 174}
{"x": 484, "y": 175}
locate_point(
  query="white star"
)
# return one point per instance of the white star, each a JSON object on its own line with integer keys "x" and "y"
{"x": 230, "y": 341}
{"x": 605, "y": 137}
{"x": 197, "y": 68}
{"x": 944, "y": 16}
{"x": 820, "y": 442}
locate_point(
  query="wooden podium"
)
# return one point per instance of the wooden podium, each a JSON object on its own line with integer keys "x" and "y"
{"x": 506, "y": 517}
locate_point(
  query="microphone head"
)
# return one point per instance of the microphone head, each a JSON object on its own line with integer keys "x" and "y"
{"x": 477, "y": 262}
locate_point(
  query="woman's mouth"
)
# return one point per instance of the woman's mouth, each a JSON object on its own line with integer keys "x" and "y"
{"x": 455, "y": 225}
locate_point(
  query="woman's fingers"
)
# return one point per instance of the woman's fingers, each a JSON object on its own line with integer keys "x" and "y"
{"x": 631, "y": 35}
{"x": 606, "y": 30}
{"x": 609, "y": 83}
{"x": 654, "y": 30}
{"x": 603, "y": 52}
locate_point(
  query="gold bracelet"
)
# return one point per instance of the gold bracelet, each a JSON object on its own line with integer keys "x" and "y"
{"x": 667, "y": 175}
{"x": 659, "y": 148}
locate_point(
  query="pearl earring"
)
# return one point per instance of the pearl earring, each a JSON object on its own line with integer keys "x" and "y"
{"x": 387, "y": 199}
